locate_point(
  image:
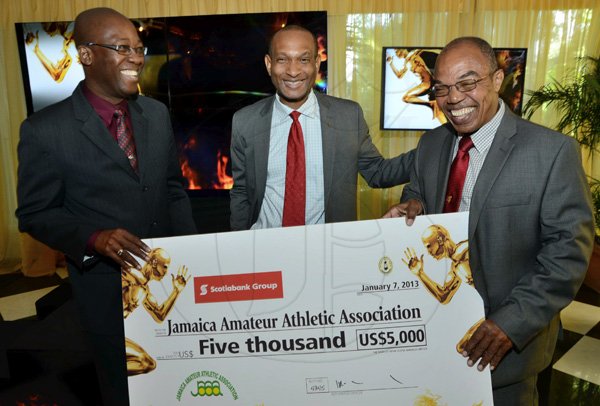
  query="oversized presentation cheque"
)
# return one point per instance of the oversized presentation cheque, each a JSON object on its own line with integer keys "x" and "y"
{"x": 359, "y": 313}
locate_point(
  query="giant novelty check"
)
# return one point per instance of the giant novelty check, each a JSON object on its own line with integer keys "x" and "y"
{"x": 359, "y": 313}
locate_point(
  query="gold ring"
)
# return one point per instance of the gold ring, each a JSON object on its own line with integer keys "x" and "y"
{"x": 120, "y": 252}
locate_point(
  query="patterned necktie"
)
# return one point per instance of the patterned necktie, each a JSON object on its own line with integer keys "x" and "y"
{"x": 125, "y": 138}
{"x": 458, "y": 172}
{"x": 294, "y": 203}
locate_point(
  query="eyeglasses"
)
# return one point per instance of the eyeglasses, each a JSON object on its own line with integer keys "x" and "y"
{"x": 121, "y": 49}
{"x": 462, "y": 86}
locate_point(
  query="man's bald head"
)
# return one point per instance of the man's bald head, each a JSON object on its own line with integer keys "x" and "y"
{"x": 105, "y": 40}
{"x": 484, "y": 47}
{"x": 89, "y": 23}
{"x": 294, "y": 27}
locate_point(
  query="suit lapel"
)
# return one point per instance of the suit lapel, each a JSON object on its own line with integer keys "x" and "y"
{"x": 95, "y": 130}
{"x": 492, "y": 167}
{"x": 261, "y": 149}
{"x": 141, "y": 136}
{"x": 328, "y": 136}
{"x": 494, "y": 163}
{"x": 445, "y": 161}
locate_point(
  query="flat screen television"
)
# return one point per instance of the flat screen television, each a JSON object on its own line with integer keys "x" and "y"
{"x": 406, "y": 102}
{"x": 204, "y": 68}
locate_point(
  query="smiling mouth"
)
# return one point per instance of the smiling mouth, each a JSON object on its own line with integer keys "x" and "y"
{"x": 130, "y": 73}
{"x": 462, "y": 112}
{"x": 293, "y": 83}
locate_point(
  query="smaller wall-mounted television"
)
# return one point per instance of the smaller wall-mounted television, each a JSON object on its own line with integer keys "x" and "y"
{"x": 406, "y": 99}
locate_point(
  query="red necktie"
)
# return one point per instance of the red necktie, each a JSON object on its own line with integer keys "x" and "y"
{"x": 294, "y": 203}
{"x": 125, "y": 138}
{"x": 458, "y": 171}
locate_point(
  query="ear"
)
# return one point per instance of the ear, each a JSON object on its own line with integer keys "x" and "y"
{"x": 85, "y": 55}
{"x": 317, "y": 62}
{"x": 497, "y": 79}
{"x": 268, "y": 63}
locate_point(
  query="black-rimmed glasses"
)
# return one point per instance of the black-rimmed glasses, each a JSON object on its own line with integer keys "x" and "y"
{"x": 121, "y": 49}
{"x": 462, "y": 86}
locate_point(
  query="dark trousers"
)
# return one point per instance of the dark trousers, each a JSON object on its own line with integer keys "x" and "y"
{"x": 111, "y": 367}
{"x": 523, "y": 393}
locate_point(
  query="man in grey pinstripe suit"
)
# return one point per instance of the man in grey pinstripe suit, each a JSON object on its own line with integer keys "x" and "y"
{"x": 530, "y": 217}
{"x": 337, "y": 144}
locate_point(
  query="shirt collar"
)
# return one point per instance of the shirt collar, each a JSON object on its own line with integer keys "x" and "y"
{"x": 308, "y": 108}
{"x": 483, "y": 138}
{"x": 103, "y": 108}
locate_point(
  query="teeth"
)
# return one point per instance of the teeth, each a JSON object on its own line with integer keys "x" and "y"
{"x": 462, "y": 112}
{"x": 130, "y": 72}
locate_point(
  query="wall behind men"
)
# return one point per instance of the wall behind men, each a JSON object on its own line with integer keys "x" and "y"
{"x": 12, "y": 103}
{"x": 356, "y": 32}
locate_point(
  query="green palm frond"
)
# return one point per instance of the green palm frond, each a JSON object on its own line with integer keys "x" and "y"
{"x": 595, "y": 188}
{"x": 576, "y": 101}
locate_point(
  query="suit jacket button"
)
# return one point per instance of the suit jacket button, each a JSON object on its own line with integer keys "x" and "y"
{"x": 145, "y": 188}
{"x": 154, "y": 224}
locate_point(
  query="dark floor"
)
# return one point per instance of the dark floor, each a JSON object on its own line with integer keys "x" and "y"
{"x": 43, "y": 358}
{"x": 44, "y": 361}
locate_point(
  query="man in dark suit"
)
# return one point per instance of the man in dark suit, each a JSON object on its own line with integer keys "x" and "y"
{"x": 337, "y": 145}
{"x": 530, "y": 217}
{"x": 97, "y": 172}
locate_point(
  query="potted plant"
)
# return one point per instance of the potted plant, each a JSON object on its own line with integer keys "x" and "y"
{"x": 592, "y": 278}
{"x": 576, "y": 99}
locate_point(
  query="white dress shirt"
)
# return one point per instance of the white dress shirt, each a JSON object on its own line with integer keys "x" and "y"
{"x": 482, "y": 140}
{"x": 271, "y": 211}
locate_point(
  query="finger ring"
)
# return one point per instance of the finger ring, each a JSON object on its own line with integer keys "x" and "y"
{"x": 120, "y": 252}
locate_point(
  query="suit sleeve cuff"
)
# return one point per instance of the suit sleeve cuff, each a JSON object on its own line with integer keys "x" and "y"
{"x": 89, "y": 247}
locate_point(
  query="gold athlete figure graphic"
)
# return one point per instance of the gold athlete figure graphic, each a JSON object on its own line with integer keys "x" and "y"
{"x": 136, "y": 290}
{"x": 438, "y": 243}
{"x": 416, "y": 64}
{"x": 431, "y": 399}
{"x": 59, "y": 69}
